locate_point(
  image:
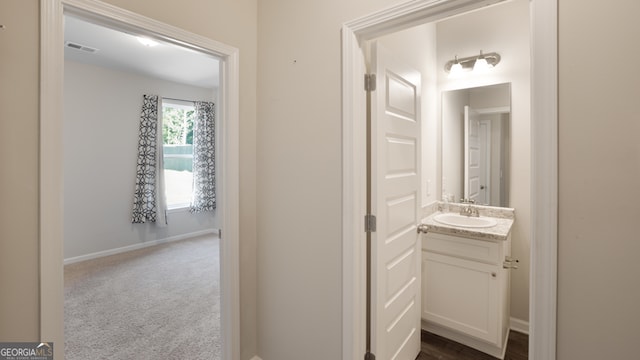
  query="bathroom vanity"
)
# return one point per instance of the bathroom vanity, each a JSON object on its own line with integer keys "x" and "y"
{"x": 466, "y": 264}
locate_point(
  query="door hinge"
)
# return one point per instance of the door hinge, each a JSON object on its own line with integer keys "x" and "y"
{"x": 370, "y": 223}
{"x": 369, "y": 356}
{"x": 369, "y": 82}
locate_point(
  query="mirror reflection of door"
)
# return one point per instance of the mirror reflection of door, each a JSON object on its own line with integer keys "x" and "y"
{"x": 472, "y": 153}
{"x": 476, "y": 144}
{"x": 484, "y": 142}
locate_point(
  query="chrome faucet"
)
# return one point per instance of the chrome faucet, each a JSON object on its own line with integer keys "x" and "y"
{"x": 469, "y": 210}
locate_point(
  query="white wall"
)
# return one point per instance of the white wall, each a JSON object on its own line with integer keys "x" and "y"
{"x": 503, "y": 29}
{"x": 101, "y": 120}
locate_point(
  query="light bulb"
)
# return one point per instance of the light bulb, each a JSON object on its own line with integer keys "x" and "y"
{"x": 481, "y": 64}
{"x": 456, "y": 68}
{"x": 147, "y": 42}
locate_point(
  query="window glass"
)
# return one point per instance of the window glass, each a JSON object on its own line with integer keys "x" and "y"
{"x": 177, "y": 134}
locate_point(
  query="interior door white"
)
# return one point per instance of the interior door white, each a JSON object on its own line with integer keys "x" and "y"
{"x": 395, "y": 197}
{"x": 471, "y": 154}
{"x": 484, "y": 196}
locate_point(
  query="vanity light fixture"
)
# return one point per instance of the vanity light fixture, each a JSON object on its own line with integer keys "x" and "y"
{"x": 476, "y": 63}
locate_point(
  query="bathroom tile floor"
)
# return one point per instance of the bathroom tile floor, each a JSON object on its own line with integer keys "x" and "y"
{"x": 435, "y": 347}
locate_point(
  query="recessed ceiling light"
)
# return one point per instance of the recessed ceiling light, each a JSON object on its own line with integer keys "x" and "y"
{"x": 146, "y": 41}
{"x": 77, "y": 46}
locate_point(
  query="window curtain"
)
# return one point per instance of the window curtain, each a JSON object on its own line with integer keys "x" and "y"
{"x": 204, "y": 172}
{"x": 149, "y": 203}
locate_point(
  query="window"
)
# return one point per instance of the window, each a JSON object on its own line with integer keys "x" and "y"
{"x": 177, "y": 136}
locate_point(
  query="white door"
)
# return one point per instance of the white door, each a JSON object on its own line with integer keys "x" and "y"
{"x": 395, "y": 198}
{"x": 471, "y": 154}
{"x": 484, "y": 196}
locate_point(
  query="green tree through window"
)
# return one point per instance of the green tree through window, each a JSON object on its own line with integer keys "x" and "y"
{"x": 177, "y": 125}
{"x": 177, "y": 136}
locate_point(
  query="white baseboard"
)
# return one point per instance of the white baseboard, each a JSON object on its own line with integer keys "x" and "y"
{"x": 520, "y": 326}
{"x": 104, "y": 253}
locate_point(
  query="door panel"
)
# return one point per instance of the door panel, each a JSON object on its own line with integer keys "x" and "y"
{"x": 395, "y": 186}
{"x": 401, "y": 160}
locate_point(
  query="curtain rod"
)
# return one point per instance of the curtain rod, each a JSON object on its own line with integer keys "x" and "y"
{"x": 168, "y": 98}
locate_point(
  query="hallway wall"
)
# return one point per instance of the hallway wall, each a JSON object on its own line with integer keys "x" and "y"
{"x": 598, "y": 241}
{"x": 598, "y": 292}
{"x": 300, "y": 171}
{"x": 19, "y": 143}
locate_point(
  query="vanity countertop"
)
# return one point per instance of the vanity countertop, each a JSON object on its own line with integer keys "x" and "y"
{"x": 500, "y": 231}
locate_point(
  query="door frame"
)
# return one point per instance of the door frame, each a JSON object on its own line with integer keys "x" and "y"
{"x": 544, "y": 162}
{"x": 51, "y": 241}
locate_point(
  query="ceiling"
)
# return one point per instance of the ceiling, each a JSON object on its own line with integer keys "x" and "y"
{"x": 122, "y": 51}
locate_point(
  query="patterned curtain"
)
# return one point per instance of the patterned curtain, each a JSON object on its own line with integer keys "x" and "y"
{"x": 149, "y": 199}
{"x": 204, "y": 173}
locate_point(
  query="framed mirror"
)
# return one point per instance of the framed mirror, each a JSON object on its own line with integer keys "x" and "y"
{"x": 476, "y": 144}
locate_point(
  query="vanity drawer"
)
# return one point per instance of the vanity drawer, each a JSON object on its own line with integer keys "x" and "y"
{"x": 471, "y": 249}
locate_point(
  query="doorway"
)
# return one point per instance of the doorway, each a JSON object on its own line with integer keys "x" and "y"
{"x": 107, "y": 72}
{"x": 51, "y": 155}
{"x": 543, "y": 178}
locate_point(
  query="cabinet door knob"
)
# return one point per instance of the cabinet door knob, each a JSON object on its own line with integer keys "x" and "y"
{"x": 493, "y": 274}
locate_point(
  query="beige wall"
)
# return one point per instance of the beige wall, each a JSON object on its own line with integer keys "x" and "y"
{"x": 299, "y": 251}
{"x": 599, "y": 243}
{"x": 19, "y": 306}
{"x": 300, "y": 177}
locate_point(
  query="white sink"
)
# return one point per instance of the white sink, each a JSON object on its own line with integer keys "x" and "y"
{"x": 464, "y": 221}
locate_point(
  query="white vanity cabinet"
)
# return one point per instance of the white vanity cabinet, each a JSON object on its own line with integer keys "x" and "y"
{"x": 465, "y": 290}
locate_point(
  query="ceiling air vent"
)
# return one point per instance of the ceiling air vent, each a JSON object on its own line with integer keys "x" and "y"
{"x": 77, "y": 46}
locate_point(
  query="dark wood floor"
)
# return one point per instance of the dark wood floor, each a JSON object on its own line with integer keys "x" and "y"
{"x": 435, "y": 347}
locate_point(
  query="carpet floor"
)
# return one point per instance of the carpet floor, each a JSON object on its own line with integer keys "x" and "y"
{"x": 161, "y": 302}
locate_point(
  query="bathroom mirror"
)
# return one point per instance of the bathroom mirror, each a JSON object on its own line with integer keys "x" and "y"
{"x": 476, "y": 143}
